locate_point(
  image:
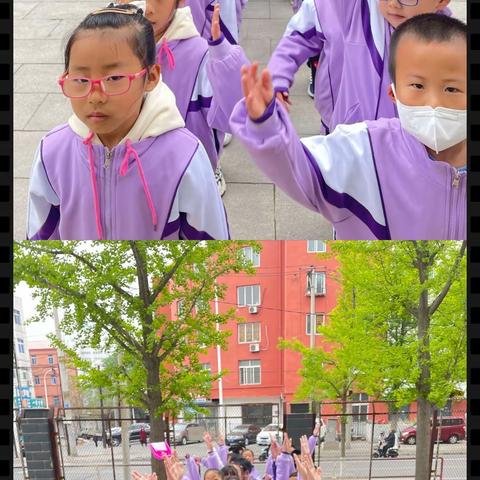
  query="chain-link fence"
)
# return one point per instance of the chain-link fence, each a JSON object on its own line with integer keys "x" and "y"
{"x": 91, "y": 442}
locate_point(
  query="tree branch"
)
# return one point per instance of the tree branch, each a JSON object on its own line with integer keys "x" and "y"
{"x": 437, "y": 302}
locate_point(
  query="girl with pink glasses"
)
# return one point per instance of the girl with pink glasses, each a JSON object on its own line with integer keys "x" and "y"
{"x": 124, "y": 166}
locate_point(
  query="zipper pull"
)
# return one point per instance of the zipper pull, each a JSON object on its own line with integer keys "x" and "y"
{"x": 456, "y": 180}
{"x": 108, "y": 158}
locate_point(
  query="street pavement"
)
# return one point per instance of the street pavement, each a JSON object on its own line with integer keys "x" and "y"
{"x": 256, "y": 208}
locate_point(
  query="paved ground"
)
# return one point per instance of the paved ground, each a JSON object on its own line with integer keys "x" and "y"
{"x": 256, "y": 208}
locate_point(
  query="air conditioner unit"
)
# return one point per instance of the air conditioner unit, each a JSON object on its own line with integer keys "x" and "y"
{"x": 254, "y": 347}
{"x": 253, "y": 309}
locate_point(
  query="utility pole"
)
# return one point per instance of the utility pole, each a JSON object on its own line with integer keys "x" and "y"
{"x": 219, "y": 369}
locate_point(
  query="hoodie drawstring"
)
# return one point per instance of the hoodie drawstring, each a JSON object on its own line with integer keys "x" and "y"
{"x": 123, "y": 170}
{"x": 88, "y": 142}
{"x": 168, "y": 52}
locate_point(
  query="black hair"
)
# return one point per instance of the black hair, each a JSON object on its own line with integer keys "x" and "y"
{"x": 212, "y": 470}
{"x": 428, "y": 27}
{"x": 229, "y": 471}
{"x": 237, "y": 449}
{"x": 142, "y": 39}
{"x": 243, "y": 463}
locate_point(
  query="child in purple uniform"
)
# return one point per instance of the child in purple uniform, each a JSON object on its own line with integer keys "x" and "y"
{"x": 124, "y": 167}
{"x": 352, "y": 39}
{"x": 385, "y": 179}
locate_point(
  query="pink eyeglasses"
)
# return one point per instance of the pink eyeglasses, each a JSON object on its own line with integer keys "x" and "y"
{"x": 111, "y": 85}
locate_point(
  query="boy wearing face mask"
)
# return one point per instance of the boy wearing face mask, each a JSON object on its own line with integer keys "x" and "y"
{"x": 382, "y": 179}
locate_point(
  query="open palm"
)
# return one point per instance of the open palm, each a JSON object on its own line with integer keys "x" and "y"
{"x": 258, "y": 91}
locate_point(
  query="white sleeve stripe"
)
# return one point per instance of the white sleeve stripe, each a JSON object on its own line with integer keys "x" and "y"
{"x": 304, "y": 20}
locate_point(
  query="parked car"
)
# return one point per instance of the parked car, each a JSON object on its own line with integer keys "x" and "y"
{"x": 243, "y": 435}
{"x": 453, "y": 430}
{"x": 263, "y": 438}
{"x": 187, "y": 432}
{"x": 133, "y": 433}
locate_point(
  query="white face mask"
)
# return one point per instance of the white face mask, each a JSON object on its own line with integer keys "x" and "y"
{"x": 437, "y": 128}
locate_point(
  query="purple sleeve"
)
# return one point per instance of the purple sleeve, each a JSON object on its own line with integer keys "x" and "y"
{"x": 223, "y": 70}
{"x": 223, "y": 453}
{"x": 312, "y": 442}
{"x": 269, "y": 466}
{"x": 214, "y": 460}
{"x": 301, "y": 41}
{"x": 284, "y": 466}
{"x": 192, "y": 469}
{"x": 204, "y": 462}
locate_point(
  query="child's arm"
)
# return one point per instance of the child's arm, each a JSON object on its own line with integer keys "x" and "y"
{"x": 334, "y": 175}
{"x": 228, "y": 19}
{"x": 302, "y": 39}
{"x": 283, "y": 464}
{"x": 198, "y": 206}
{"x": 43, "y": 214}
{"x": 192, "y": 468}
{"x": 312, "y": 443}
{"x": 224, "y": 62}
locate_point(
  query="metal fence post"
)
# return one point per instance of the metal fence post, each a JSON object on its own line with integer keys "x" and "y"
{"x": 371, "y": 443}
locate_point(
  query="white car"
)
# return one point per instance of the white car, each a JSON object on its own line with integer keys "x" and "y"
{"x": 263, "y": 438}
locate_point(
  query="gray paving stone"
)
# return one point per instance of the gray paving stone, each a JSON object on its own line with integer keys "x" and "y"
{"x": 54, "y": 110}
{"x": 257, "y": 28}
{"x": 20, "y": 192}
{"x": 46, "y": 51}
{"x": 24, "y": 147}
{"x": 294, "y": 221}
{"x": 25, "y": 106}
{"x": 38, "y": 28}
{"x": 62, "y": 10}
{"x": 281, "y": 10}
{"x": 237, "y": 166}
{"x": 250, "y": 211}
{"x": 257, "y": 10}
{"x": 258, "y": 49}
{"x": 304, "y": 116}
{"x": 20, "y": 9}
{"x": 37, "y": 78}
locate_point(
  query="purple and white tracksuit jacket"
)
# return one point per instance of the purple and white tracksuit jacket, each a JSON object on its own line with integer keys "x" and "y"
{"x": 184, "y": 70}
{"x": 352, "y": 39}
{"x": 371, "y": 180}
{"x": 160, "y": 187}
{"x": 202, "y": 11}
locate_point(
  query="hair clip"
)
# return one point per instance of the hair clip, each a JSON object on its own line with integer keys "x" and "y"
{"x": 109, "y": 9}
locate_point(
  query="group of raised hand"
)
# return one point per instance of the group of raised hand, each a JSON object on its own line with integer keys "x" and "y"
{"x": 173, "y": 466}
{"x": 304, "y": 462}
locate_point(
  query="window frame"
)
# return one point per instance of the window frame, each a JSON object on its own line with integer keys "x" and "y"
{"x": 50, "y": 357}
{"x": 35, "y": 378}
{"x": 322, "y": 273}
{"x": 20, "y": 345}
{"x": 53, "y": 380}
{"x": 249, "y": 372}
{"x": 251, "y": 255}
{"x": 244, "y": 324}
{"x": 244, "y": 289}
{"x": 308, "y": 323}
{"x": 316, "y": 244}
{"x": 17, "y": 314}
{"x": 33, "y": 359}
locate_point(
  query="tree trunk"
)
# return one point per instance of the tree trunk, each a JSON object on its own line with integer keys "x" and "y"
{"x": 157, "y": 423}
{"x": 424, "y": 408}
{"x": 343, "y": 427}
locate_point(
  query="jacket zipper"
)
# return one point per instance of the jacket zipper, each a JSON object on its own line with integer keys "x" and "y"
{"x": 107, "y": 193}
{"x": 454, "y": 220}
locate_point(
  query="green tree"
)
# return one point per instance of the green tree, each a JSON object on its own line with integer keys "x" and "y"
{"x": 414, "y": 294}
{"x": 116, "y": 296}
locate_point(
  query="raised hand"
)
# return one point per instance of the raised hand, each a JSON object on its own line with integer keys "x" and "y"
{"x": 258, "y": 92}
{"x": 207, "y": 438}
{"x": 304, "y": 445}
{"x": 174, "y": 468}
{"x": 221, "y": 440}
{"x": 139, "y": 476}
{"x": 215, "y": 30}
{"x": 316, "y": 430}
{"x": 287, "y": 444}
{"x": 274, "y": 447}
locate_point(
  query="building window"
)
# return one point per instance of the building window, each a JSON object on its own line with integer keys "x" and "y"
{"x": 318, "y": 283}
{"x": 25, "y": 375}
{"x": 248, "y": 332}
{"x": 316, "y": 246}
{"x": 34, "y": 359}
{"x": 53, "y": 379}
{"x": 180, "y": 307}
{"x": 299, "y": 408}
{"x": 207, "y": 366}
{"x": 56, "y": 401}
{"x": 249, "y": 295}
{"x": 318, "y": 320}
{"x": 36, "y": 379}
{"x": 249, "y": 372}
{"x": 50, "y": 359}
{"x": 17, "y": 317}
{"x": 250, "y": 254}
{"x": 21, "y": 345}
